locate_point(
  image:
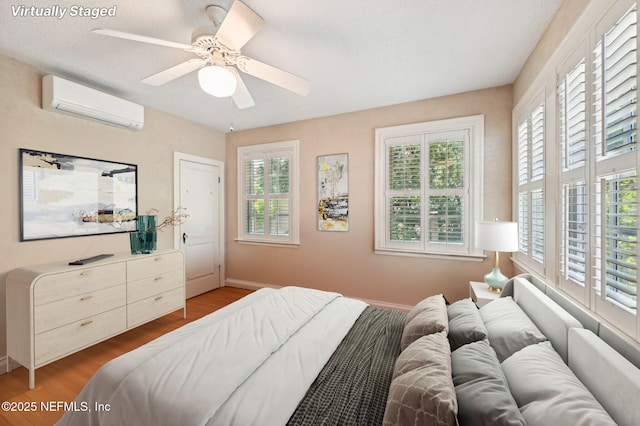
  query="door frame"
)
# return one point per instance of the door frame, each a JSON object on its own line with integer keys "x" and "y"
{"x": 177, "y": 157}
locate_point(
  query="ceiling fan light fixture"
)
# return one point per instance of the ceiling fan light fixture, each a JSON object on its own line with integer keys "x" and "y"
{"x": 217, "y": 81}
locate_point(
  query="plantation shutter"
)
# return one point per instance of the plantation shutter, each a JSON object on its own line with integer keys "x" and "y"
{"x": 531, "y": 171}
{"x": 573, "y": 243}
{"x": 615, "y": 91}
{"x": 446, "y": 162}
{"x": 537, "y": 143}
{"x": 404, "y": 191}
{"x": 267, "y": 193}
{"x": 572, "y": 109}
{"x": 255, "y": 195}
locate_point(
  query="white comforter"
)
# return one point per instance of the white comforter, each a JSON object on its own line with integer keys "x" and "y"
{"x": 249, "y": 363}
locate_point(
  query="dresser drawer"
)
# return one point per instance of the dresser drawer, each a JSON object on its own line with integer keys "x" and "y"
{"x": 50, "y": 288}
{"x": 153, "y": 265}
{"x": 150, "y": 286}
{"x": 72, "y": 309}
{"x": 155, "y": 306}
{"x": 69, "y": 338}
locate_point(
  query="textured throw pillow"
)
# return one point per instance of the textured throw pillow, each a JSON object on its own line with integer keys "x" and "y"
{"x": 481, "y": 388}
{"x": 427, "y": 317}
{"x": 547, "y": 391}
{"x": 421, "y": 352}
{"x": 465, "y": 323}
{"x": 508, "y": 327}
{"x": 424, "y": 395}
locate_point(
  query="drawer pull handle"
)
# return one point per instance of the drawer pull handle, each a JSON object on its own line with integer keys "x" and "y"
{"x": 86, "y": 323}
{"x": 85, "y": 273}
{"x": 157, "y": 278}
{"x": 158, "y": 298}
{"x": 82, "y": 299}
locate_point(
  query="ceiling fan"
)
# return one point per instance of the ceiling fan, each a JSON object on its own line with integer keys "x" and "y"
{"x": 219, "y": 56}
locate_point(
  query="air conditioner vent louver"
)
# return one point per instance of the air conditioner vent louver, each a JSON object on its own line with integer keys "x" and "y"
{"x": 71, "y": 98}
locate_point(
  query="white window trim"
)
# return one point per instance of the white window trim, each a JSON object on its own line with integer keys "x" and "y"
{"x": 245, "y": 152}
{"x": 475, "y": 152}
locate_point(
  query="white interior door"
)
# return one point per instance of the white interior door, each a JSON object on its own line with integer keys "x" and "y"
{"x": 199, "y": 191}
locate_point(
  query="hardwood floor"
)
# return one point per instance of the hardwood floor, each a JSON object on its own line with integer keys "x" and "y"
{"x": 61, "y": 381}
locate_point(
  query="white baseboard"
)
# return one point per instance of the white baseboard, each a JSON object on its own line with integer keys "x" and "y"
{"x": 252, "y": 285}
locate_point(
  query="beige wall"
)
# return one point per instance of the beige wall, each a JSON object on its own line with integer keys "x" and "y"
{"x": 23, "y": 124}
{"x": 346, "y": 262}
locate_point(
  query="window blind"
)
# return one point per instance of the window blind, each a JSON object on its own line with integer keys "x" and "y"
{"x": 615, "y": 87}
{"x": 531, "y": 175}
{"x": 267, "y": 196}
{"x": 537, "y": 143}
{"x": 573, "y": 243}
{"x": 537, "y": 224}
{"x": 617, "y": 260}
{"x": 405, "y": 206}
{"x": 615, "y": 189}
{"x": 572, "y": 116}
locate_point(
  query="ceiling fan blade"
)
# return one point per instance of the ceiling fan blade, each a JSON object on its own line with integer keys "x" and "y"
{"x": 241, "y": 97}
{"x": 274, "y": 75}
{"x": 143, "y": 39}
{"x": 174, "y": 72}
{"x": 239, "y": 26}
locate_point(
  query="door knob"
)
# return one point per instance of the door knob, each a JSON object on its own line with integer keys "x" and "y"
{"x": 184, "y": 237}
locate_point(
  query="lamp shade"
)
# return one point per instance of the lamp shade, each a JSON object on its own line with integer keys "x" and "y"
{"x": 217, "y": 81}
{"x": 497, "y": 236}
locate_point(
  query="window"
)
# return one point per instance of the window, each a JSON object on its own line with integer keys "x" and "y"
{"x": 589, "y": 91}
{"x": 530, "y": 178}
{"x": 572, "y": 114}
{"x": 615, "y": 165}
{"x": 268, "y": 193}
{"x": 428, "y": 186}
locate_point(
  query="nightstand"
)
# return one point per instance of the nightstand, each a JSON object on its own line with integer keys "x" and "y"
{"x": 480, "y": 294}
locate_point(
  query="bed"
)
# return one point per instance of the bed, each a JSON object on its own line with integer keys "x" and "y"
{"x": 291, "y": 356}
{"x": 297, "y": 356}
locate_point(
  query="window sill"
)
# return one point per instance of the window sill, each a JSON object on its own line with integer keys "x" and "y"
{"x": 267, "y": 243}
{"x": 439, "y": 256}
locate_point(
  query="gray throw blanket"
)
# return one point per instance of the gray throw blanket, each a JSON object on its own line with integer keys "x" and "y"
{"x": 352, "y": 387}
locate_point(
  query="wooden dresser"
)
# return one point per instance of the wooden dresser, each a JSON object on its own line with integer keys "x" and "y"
{"x": 56, "y": 309}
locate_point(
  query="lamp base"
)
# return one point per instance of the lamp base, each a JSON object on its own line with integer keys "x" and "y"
{"x": 495, "y": 280}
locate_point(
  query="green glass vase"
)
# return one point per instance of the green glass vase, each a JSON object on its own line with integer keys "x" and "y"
{"x": 144, "y": 240}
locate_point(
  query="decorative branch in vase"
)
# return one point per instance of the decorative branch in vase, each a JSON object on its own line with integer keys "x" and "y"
{"x": 177, "y": 217}
{"x": 144, "y": 240}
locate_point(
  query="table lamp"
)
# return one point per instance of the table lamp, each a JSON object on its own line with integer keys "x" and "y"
{"x": 497, "y": 236}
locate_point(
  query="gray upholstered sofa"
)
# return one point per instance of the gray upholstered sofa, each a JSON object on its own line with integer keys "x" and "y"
{"x": 531, "y": 357}
{"x": 606, "y": 362}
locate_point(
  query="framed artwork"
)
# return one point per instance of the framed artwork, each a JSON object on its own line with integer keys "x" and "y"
{"x": 68, "y": 196}
{"x": 333, "y": 192}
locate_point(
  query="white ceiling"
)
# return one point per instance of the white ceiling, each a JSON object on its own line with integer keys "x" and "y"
{"x": 358, "y": 54}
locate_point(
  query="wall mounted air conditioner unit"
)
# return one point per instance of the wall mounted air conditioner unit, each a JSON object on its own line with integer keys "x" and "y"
{"x": 65, "y": 96}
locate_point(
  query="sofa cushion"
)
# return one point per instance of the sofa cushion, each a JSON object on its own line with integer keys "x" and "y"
{"x": 427, "y": 317}
{"x": 508, "y": 327}
{"x": 481, "y": 388}
{"x": 465, "y": 323}
{"x": 547, "y": 392}
{"x": 424, "y": 395}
